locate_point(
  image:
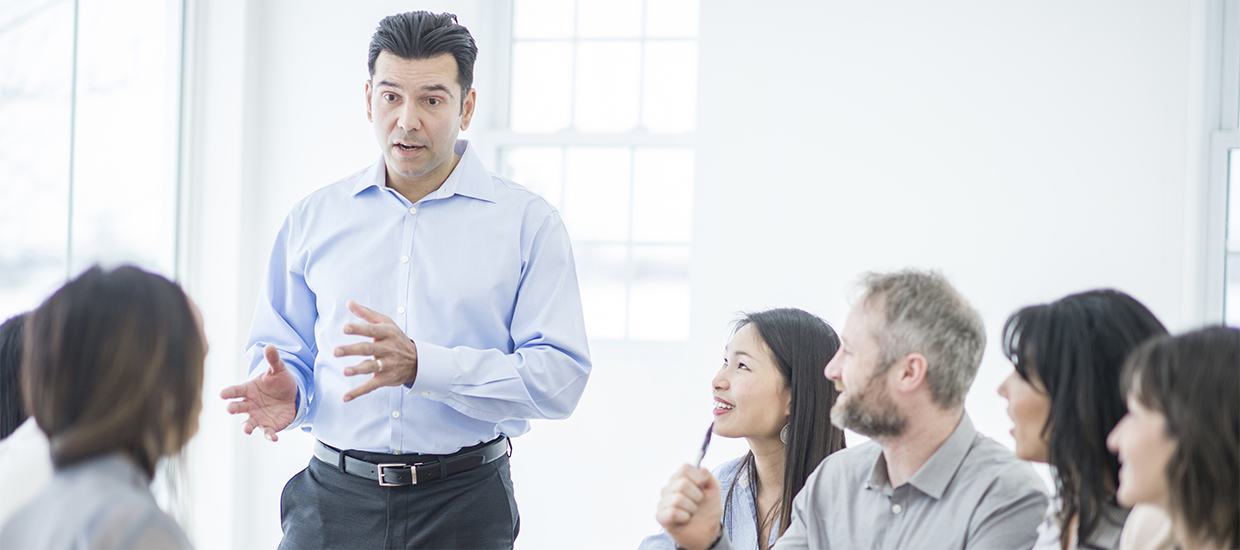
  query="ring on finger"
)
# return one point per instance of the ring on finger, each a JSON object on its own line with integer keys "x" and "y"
{"x": 379, "y": 363}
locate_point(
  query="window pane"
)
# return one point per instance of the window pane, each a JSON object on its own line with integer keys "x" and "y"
{"x": 663, "y": 195}
{"x": 35, "y": 96}
{"x": 659, "y": 300}
{"x": 608, "y": 84}
{"x": 601, "y": 272}
{"x": 609, "y": 19}
{"x": 542, "y": 86}
{"x": 1233, "y": 207}
{"x": 670, "y": 87}
{"x": 542, "y": 19}
{"x": 126, "y": 134}
{"x": 541, "y": 169}
{"x": 596, "y": 194}
{"x": 672, "y": 18}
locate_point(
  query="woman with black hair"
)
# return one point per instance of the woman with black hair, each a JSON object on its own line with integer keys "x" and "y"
{"x": 1064, "y": 399}
{"x": 772, "y": 392}
{"x": 1180, "y": 441}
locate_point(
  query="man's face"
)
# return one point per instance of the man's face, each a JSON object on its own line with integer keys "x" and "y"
{"x": 865, "y": 403}
{"x": 415, "y": 105}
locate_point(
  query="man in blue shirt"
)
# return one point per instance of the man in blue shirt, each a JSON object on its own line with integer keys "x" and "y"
{"x": 414, "y": 316}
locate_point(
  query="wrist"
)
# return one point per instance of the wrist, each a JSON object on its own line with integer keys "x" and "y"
{"x": 718, "y": 537}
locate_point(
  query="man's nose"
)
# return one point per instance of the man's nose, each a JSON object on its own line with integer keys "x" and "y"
{"x": 410, "y": 119}
{"x": 832, "y": 370}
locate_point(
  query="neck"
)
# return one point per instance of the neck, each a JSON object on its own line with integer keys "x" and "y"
{"x": 768, "y": 460}
{"x": 908, "y": 452}
{"x": 415, "y": 189}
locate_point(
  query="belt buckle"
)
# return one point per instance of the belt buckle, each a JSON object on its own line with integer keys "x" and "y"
{"x": 413, "y": 473}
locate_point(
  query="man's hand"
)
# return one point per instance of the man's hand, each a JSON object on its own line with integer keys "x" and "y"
{"x": 395, "y": 356}
{"x": 270, "y": 400}
{"x": 690, "y": 510}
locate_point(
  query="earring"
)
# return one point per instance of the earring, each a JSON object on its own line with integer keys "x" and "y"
{"x": 783, "y": 434}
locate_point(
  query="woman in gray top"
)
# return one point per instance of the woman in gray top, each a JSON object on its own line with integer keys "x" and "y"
{"x": 112, "y": 371}
{"x": 771, "y": 391}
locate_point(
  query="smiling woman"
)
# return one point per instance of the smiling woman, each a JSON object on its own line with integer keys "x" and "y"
{"x": 770, "y": 391}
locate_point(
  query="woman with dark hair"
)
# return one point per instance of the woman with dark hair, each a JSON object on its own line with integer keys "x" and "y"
{"x": 771, "y": 391}
{"x": 112, "y": 373}
{"x": 24, "y": 465}
{"x": 1064, "y": 399}
{"x": 1180, "y": 441}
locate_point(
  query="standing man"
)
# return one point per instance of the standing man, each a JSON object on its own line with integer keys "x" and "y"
{"x": 414, "y": 316}
{"x": 926, "y": 479}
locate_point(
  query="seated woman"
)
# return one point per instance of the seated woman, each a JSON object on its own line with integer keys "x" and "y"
{"x": 772, "y": 392}
{"x": 1180, "y": 441}
{"x": 1064, "y": 399}
{"x": 112, "y": 370}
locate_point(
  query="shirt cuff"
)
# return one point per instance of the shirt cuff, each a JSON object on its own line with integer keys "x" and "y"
{"x": 436, "y": 369}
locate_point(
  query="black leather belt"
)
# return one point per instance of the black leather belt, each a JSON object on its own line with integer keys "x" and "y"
{"x": 412, "y": 469}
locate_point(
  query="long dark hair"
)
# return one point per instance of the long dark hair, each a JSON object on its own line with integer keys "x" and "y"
{"x": 12, "y": 408}
{"x": 113, "y": 362}
{"x": 1193, "y": 380}
{"x": 1075, "y": 348}
{"x": 801, "y": 344}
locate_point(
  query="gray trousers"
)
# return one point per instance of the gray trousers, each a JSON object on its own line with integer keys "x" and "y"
{"x": 323, "y": 507}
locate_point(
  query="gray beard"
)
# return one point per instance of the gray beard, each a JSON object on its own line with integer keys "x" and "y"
{"x": 880, "y": 418}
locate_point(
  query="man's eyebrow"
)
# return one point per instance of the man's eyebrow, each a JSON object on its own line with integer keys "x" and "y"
{"x": 388, "y": 83}
{"x": 423, "y": 88}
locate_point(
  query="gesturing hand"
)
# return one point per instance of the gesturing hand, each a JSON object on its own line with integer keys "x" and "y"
{"x": 395, "y": 355}
{"x": 270, "y": 400}
{"x": 690, "y": 510}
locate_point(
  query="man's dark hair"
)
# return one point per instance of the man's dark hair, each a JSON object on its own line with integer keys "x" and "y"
{"x": 1074, "y": 348}
{"x": 422, "y": 35}
{"x": 12, "y": 409}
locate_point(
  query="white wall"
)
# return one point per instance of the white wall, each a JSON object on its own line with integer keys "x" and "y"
{"x": 1027, "y": 149}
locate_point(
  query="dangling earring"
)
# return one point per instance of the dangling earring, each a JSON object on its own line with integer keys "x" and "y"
{"x": 783, "y": 434}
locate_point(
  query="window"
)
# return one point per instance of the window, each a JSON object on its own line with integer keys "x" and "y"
{"x": 601, "y": 124}
{"x": 89, "y": 100}
{"x": 1224, "y": 191}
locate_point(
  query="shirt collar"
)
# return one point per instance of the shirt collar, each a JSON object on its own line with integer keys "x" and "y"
{"x": 470, "y": 178}
{"x": 933, "y": 476}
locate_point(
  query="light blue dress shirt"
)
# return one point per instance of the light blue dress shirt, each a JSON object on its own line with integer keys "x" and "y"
{"x": 740, "y": 520}
{"x": 479, "y": 274}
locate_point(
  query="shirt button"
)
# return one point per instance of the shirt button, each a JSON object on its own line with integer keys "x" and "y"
{"x": 395, "y": 452}
{"x": 396, "y": 414}
{"x": 400, "y": 310}
{"x": 425, "y": 393}
{"x": 413, "y": 210}
{"x": 896, "y": 509}
{"x": 404, "y": 259}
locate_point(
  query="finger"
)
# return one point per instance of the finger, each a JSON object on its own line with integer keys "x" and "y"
{"x": 365, "y": 367}
{"x": 273, "y": 359}
{"x": 270, "y": 434}
{"x": 238, "y": 407}
{"x": 672, "y": 516}
{"x": 700, "y": 476}
{"x": 361, "y": 348}
{"x": 233, "y": 392}
{"x": 367, "y": 329}
{"x": 366, "y": 387}
{"x": 368, "y": 314}
{"x": 249, "y": 425}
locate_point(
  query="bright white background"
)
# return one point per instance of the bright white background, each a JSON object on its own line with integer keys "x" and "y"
{"x": 1028, "y": 149}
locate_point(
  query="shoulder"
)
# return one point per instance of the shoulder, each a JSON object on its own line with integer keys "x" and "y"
{"x": 511, "y": 194}
{"x": 846, "y": 468}
{"x": 992, "y": 463}
{"x": 329, "y": 195}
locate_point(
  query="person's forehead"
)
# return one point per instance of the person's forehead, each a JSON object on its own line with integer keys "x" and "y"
{"x": 398, "y": 71}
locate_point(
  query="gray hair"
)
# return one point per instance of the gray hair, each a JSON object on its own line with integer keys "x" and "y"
{"x": 923, "y": 313}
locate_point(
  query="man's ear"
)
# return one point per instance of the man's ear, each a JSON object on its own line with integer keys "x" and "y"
{"x": 911, "y": 372}
{"x": 369, "y": 117}
{"x": 467, "y": 108}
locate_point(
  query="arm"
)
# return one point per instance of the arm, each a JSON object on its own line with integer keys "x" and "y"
{"x": 281, "y": 342}
{"x": 544, "y": 375}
